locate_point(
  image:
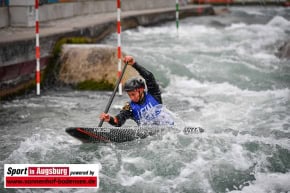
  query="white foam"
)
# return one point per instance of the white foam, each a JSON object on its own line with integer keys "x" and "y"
{"x": 224, "y": 105}
{"x": 138, "y": 162}
{"x": 191, "y": 87}
{"x": 267, "y": 182}
{"x": 235, "y": 26}
{"x": 280, "y": 22}
{"x": 39, "y": 146}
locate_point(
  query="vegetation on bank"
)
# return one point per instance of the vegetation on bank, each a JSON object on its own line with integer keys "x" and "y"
{"x": 94, "y": 85}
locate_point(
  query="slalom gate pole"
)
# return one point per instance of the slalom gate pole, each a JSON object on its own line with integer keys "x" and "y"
{"x": 177, "y": 15}
{"x": 119, "y": 50}
{"x": 37, "y": 48}
{"x": 113, "y": 94}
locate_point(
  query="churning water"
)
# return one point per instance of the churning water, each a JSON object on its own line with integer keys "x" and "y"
{"x": 219, "y": 73}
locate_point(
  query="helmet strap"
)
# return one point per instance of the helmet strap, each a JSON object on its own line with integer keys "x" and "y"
{"x": 141, "y": 95}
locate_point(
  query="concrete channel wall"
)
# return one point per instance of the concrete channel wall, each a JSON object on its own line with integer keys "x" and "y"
{"x": 22, "y": 11}
{"x": 4, "y": 21}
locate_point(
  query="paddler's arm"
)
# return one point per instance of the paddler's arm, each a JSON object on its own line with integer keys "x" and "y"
{"x": 119, "y": 119}
{"x": 152, "y": 86}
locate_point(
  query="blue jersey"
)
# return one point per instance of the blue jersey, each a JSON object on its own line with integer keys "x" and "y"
{"x": 144, "y": 111}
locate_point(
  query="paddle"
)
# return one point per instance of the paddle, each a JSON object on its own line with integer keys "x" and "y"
{"x": 113, "y": 94}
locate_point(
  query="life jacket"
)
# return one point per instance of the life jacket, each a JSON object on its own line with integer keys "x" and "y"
{"x": 142, "y": 111}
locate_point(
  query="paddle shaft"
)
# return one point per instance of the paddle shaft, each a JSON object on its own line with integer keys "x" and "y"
{"x": 113, "y": 94}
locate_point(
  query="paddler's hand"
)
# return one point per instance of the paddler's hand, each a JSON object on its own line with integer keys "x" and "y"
{"x": 105, "y": 117}
{"x": 129, "y": 59}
